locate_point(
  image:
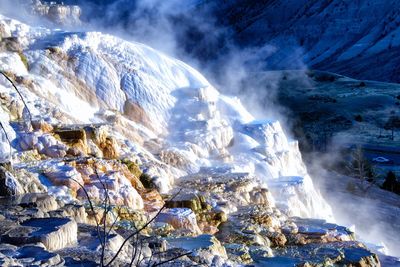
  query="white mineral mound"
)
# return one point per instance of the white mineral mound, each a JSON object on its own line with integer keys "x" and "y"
{"x": 92, "y": 77}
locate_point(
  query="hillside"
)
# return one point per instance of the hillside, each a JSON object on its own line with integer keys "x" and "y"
{"x": 359, "y": 39}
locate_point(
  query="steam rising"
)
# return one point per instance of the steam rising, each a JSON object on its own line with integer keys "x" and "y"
{"x": 189, "y": 30}
{"x": 373, "y": 214}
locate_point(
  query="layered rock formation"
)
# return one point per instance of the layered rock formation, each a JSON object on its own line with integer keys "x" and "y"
{"x": 55, "y": 12}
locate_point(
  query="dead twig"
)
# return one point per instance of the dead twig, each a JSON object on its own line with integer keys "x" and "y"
{"x": 103, "y": 233}
{"x": 139, "y": 230}
{"x": 172, "y": 259}
{"x": 20, "y": 95}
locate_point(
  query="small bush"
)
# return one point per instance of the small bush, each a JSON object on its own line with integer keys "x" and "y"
{"x": 132, "y": 167}
{"x": 324, "y": 77}
{"x": 391, "y": 184}
{"x": 147, "y": 181}
{"x": 358, "y": 118}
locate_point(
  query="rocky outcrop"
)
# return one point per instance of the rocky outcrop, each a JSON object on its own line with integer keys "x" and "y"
{"x": 42, "y": 125}
{"x": 9, "y": 186}
{"x": 319, "y": 231}
{"x": 359, "y": 256}
{"x": 12, "y": 105}
{"x": 53, "y": 233}
{"x": 75, "y": 211}
{"x": 57, "y": 13}
{"x": 180, "y": 218}
{"x": 65, "y": 175}
{"x": 18, "y": 182}
{"x": 187, "y": 200}
{"x": 42, "y": 202}
{"x": 206, "y": 247}
{"x": 45, "y": 144}
{"x": 32, "y": 255}
{"x": 11, "y": 44}
{"x": 342, "y": 254}
{"x": 175, "y": 158}
{"x": 231, "y": 189}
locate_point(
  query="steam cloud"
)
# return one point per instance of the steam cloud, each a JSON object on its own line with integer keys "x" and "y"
{"x": 373, "y": 213}
{"x": 189, "y": 30}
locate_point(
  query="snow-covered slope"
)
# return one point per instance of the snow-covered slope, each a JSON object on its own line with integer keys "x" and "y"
{"x": 150, "y": 98}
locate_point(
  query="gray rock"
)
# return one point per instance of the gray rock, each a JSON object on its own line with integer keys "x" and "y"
{"x": 204, "y": 247}
{"x": 77, "y": 212}
{"x": 43, "y": 202}
{"x": 69, "y": 261}
{"x": 11, "y": 44}
{"x": 180, "y": 218}
{"x": 358, "y": 256}
{"x": 348, "y": 253}
{"x": 32, "y": 255}
{"x": 238, "y": 253}
{"x": 57, "y": 13}
{"x": 9, "y": 186}
{"x": 315, "y": 230}
{"x": 35, "y": 255}
{"x": 6, "y": 225}
{"x": 187, "y": 200}
{"x": 54, "y": 233}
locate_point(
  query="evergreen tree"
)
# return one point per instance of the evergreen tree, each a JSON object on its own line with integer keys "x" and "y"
{"x": 390, "y": 183}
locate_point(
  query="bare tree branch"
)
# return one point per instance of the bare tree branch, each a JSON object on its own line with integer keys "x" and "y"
{"x": 91, "y": 208}
{"x": 134, "y": 250}
{"x": 139, "y": 230}
{"x": 104, "y": 216}
{"x": 20, "y": 95}
{"x": 103, "y": 233}
{"x": 172, "y": 259}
